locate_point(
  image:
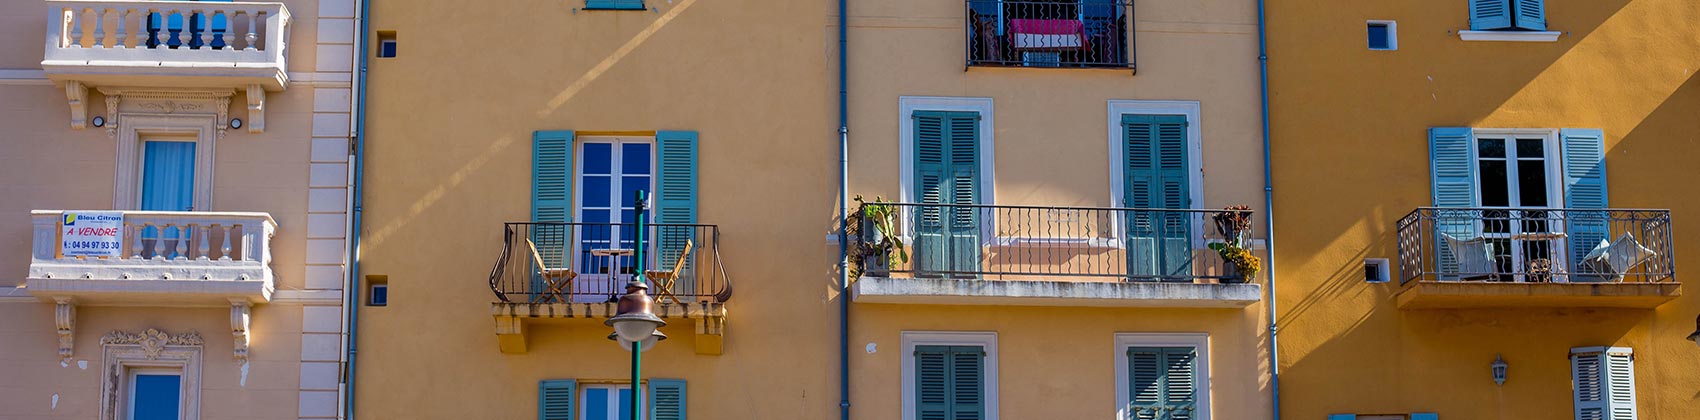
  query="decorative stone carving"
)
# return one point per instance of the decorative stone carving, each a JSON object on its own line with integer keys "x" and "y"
{"x": 77, "y": 96}
{"x": 65, "y": 318}
{"x": 256, "y": 109}
{"x": 152, "y": 341}
{"x": 168, "y": 101}
{"x": 239, "y": 316}
{"x": 112, "y": 114}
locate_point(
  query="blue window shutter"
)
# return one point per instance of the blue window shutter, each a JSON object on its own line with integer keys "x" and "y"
{"x": 555, "y": 399}
{"x": 676, "y": 183}
{"x": 1342, "y": 417}
{"x": 1180, "y": 382}
{"x": 968, "y": 383}
{"x": 1451, "y": 162}
{"x": 1585, "y": 188}
{"x": 1588, "y": 383}
{"x": 614, "y": 4}
{"x": 1146, "y": 376}
{"x": 1487, "y": 15}
{"x": 667, "y": 399}
{"x": 1530, "y": 14}
{"x": 932, "y": 383}
{"x": 1154, "y": 176}
{"x": 1425, "y": 416}
{"x": 551, "y": 176}
{"x": 947, "y": 168}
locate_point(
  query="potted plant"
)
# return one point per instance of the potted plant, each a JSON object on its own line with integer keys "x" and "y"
{"x": 1238, "y": 263}
{"x": 880, "y": 246}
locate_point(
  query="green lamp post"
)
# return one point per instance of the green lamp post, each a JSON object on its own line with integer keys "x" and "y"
{"x": 635, "y": 324}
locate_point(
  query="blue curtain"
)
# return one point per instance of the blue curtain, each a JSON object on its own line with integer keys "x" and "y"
{"x": 168, "y": 176}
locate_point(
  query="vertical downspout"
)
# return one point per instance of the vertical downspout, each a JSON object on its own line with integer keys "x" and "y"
{"x": 843, "y": 212}
{"x": 357, "y": 161}
{"x": 1268, "y": 213}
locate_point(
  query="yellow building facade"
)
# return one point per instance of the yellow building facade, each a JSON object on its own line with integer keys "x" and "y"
{"x": 1486, "y": 165}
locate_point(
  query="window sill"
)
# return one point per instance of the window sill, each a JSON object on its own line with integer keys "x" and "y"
{"x": 1510, "y": 36}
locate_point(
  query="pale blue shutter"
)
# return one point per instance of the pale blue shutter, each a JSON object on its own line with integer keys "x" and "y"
{"x": 1154, "y": 155}
{"x": 555, "y": 399}
{"x": 1425, "y": 416}
{"x": 1604, "y": 383}
{"x": 1454, "y": 183}
{"x": 1530, "y": 14}
{"x": 946, "y": 174}
{"x": 1585, "y": 188}
{"x": 551, "y": 176}
{"x": 1620, "y": 381}
{"x": 1487, "y": 15}
{"x": 614, "y": 4}
{"x": 1342, "y": 417}
{"x": 667, "y": 399}
{"x": 675, "y": 200}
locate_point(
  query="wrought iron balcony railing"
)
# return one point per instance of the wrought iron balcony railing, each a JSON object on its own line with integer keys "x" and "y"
{"x": 1024, "y": 243}
{"x": 1536, "y": 245}
{"x": 591, "y": 262}
{"x": 1038, "y": 33}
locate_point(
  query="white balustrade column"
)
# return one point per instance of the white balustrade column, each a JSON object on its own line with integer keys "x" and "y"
{"x": 99, "y": 27}
{"x": 201, "y": 248}
{"x": 182, "y": 241}
{"x": 249, "y": 46}
{"x": 76, "y": 19}
{"x": 158, "y": 240}
{"x": 119, "y": 35}
{"x": 224, "y": 251}
{"x": 182, "y": 35}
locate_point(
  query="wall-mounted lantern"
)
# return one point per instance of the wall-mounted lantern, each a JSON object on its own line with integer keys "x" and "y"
{"x": 1695, "y": 336}
{"x": 1499, "y": 368}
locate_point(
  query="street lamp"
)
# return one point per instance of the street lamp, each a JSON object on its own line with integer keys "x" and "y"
{"x": 1695, "y": 336}
{"x": 635, "y": 324}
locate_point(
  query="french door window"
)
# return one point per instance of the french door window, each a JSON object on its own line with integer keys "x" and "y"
{"x": 611, "y": 173}
{"x": 1516, "y": 178}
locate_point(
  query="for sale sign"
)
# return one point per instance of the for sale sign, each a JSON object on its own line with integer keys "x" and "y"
{"x": 91, "y": 234}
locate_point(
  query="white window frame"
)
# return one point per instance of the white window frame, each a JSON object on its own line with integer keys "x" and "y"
{"x": 1554, "y": 159}
{"x": 139, "y": 128}
{"x": 1199, "y": 341}
{"x": 987, "y": 340}
{"x": 906, "y": 107}
{"x": 583, "y": 398}
{"x": 614, "y": 195}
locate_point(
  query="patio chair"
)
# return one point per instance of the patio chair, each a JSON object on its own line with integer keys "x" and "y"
{"x": 555, "y": 280}
{"x": 1474, "y": 257}
{"x": 662, "y": 281}
{"x": 1609, "y": 261}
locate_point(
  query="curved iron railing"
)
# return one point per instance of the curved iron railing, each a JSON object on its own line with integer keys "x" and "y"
{"x": 600, "y": 261}
{"x": 1536, "y": 245}
{"x": 993, "y": 242}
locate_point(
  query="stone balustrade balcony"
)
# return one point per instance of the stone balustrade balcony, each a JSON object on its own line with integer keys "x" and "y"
{"x": 167, "y": 43}
{"x": 199, "y": 259}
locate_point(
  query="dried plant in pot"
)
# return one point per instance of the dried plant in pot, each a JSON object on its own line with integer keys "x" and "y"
{"x": 879, "y": 246}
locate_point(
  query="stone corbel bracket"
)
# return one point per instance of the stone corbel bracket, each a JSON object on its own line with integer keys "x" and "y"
{"x": 256, "y": 109}
{"x": 65, "y": 318}
{"x": 77, "y": 95}
{"x": 511, "y": 317}
{"x": 239, "y": 319}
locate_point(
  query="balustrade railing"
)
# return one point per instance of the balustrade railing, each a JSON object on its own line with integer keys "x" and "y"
{"x": 243, "y": 34}
{"x": 1536, "y": 245}
{"x": 221, "y": 244}
{"x": 1025, "y": 242}
{"x": 545, "y": 262}
{"x": 1037, "y": 33}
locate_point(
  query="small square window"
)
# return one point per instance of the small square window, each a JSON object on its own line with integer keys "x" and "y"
{"x": 1383, "y": 35}
{"x": 1376, "y": 270}
{"x": 377, "y": 290}
{"x": 386, "y": 44}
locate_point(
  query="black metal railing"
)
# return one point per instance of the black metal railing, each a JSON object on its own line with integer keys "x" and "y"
{"x": 1536, "y": 245}
{"x": 591, "y": 262}
{"x": 1026, "y": 242}
{"x": 1058, "y": 33}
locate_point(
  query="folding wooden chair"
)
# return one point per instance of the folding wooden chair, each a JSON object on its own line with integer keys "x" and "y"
{"x": 662, "y": 281}
{"x": 555, "y": 280}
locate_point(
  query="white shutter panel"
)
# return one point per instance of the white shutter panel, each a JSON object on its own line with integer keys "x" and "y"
{"x": 1604, "y": 382}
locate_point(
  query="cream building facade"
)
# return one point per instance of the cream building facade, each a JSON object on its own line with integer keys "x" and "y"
{"x": 175, "y": 178}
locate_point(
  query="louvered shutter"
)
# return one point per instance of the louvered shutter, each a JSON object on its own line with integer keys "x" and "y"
{"x": 1163, "y": 383}
{"x": 1342, "y": 417}
{"x": 950, "y": 383}
{"x": 1487, "y": 15}
{"x": 947, "y": 167}
{"x": 1620, "y": 383}
{"x": 932, "y": 383}
{"x": 1154, "y": 172}
{"x": 675, "y": 201}
{"x": 1529, "y": 14}
{"x": 667, "y": 399}
{"x": 1454, "y": 187}
{"x": 1425, "y": 416}
{"x": 614, "y": 4}
{"x": 1585, "y": 188}
{"x": 1604, "y": 382}
{"x": 555, "y": 399}
{"x": 551, "y": 197}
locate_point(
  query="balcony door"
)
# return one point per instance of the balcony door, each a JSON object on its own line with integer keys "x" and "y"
{"x": 947, "y": 186}
{"x": 1154, "y": 155}
{"x": 1517, "y": 176}
{"x": 611, "y": 172}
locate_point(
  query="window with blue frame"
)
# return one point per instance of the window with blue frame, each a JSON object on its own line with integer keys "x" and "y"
{"x": 614, "y": 4}
{"x": 606, "y": 402}
{"x": 1508, "y": 15}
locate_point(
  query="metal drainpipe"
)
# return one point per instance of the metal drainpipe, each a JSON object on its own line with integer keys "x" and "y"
{"x": 843, "y": 212}
{"x": 1268, "y": 213}
{"x": 351, "y": 306}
